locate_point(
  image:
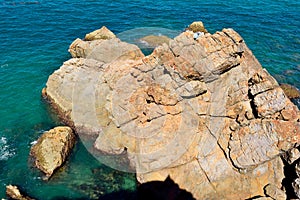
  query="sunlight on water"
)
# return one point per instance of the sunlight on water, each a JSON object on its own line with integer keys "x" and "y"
{"x": 5, "y": 151}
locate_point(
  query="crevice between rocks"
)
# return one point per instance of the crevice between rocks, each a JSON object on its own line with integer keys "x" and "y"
{"x": 289, "y": 176}
{"x": 252, "y": 104}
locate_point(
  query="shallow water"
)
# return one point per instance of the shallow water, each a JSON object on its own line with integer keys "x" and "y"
{"x": 35, "y": 36}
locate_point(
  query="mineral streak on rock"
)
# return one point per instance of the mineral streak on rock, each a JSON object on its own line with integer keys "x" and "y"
{"x": 202, "y": 111}
{"x": 52, "y": 149}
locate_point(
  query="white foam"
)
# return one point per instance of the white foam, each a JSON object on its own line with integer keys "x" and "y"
{"x": 5, "y": 151}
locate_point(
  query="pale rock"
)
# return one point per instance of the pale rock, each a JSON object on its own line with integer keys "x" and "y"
{"x": 274, "y": 192}
{"x": 52, "y": 149}
{"x": 292, "y": 155}
{"x": 101, "y": 34}
{"x": 296, "y": 187}
{"x": 263, "y": 198}
{"x": 105, "y": 51}
{"x": 203, "y": 112}
{"x": 13, "y": 192}
{"x": 297, "y": 168}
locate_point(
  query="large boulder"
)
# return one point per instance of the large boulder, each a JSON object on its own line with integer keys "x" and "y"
{"x": 101, "y": 34}
{"x": 202, "y": 111}
{"x": 104, "y": 50}
{"x": 52, "y": 149}
{"x": 197, "y": 27}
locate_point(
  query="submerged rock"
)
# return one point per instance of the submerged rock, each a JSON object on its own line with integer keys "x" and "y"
{"x": 52, "y": 149}
{"x": 203, "y": 112}
{"x": 155, "y": 40}
{"x": 290, "y": 91}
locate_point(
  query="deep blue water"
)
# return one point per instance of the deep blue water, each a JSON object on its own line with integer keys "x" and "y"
{"x": 35, "y": 36}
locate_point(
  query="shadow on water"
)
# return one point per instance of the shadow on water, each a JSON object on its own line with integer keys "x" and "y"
{"x": 158, "y": 190}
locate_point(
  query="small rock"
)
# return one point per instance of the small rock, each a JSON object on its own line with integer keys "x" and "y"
{"x": 100, "y": 34}
{"x": 52, "y": 149}
{"x": 14, "y": 193}
{"x": 292, "y": 155}
{"x": 197, "y": 27}
{"x": 290, "y": 91}
{"x": 296, "y": 186}
{"x": 274, "y": 192}
{"x": 79, "y": 48}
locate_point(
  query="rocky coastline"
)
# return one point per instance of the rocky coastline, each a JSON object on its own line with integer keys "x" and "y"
{"x": 199, "y": 111}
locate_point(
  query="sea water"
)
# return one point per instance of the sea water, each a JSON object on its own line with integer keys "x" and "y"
{"x": 35, "y": 36}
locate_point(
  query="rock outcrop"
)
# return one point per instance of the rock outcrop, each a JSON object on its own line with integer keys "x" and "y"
{"x": 52, "y": 149}
{"x": 14, "y": 193}
{"x": 202, "y": 111}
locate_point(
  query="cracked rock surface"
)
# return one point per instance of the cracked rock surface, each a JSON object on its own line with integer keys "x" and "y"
{"x": 203, "y": 112}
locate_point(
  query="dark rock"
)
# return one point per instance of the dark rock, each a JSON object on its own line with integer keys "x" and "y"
{"x": 291, "y": 91}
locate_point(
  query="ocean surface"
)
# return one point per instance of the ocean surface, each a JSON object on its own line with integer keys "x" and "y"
{"x": 35, "y": 36}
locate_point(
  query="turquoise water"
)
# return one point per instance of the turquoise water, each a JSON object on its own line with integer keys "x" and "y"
{"x": 35, "y": 36}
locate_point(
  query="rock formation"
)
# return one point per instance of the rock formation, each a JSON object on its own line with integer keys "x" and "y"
{"x": 13, "y": 192}
{"x": 290, "y": 91}
{"x": 52, "y": 149}
{"x": 197, "y": 27}
{"x": 203, "y": 112}
{"x": 100, "y": 34}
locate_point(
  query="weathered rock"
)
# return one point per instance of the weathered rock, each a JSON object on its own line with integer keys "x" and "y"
{"x": 296, "y": 186}
{"x": 155, "y": 40}
{"x": 197, "y": 27}
{"x": 13, "y": 192}
{"x": 101, "y": 34}
{"x": 290, "y": 91}
{"x": 104, "y": 50}
{"x": 52, "y": 149}
{"x": 291, "y": 156}
{"x": 203, "y": 112}
{"x": 274, "y": 192}
{"x": 297, "y": 168}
